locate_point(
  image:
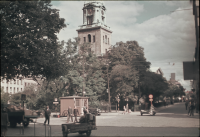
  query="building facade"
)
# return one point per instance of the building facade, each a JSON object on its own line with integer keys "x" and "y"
{"x": 94, "y": 29}
{"x": 17, "y": 85}
{"x": 191, "y": 68}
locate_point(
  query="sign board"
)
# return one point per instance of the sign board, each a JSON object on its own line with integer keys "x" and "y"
{"x": 150, "y": 96}
{"x": 55, "y": 102}
{"x": 151, "y": 99}
{"x": 23, "y": 96}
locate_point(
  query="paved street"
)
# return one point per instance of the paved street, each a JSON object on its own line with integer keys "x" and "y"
{"x": 170, "y": 121}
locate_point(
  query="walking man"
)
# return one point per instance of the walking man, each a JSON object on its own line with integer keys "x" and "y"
{"x": 47, "y": 114}
{"x": 192, "y": 109}
{"x": 186, "y": 104}
{"x": 69, "y": 114}
{"x": 76, "y": 113}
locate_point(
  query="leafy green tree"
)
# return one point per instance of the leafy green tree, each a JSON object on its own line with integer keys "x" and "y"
{"x": 126, "y": 60}
{"x": 4, "y": 97}
{"x": 90, "y": 69}
{"x": 154, "y": 84}
{"x": 29, "y": 39}
{"x": 174, "y": 90}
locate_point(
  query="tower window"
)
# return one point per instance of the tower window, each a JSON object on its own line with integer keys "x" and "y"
{"x": 89, "y": 38}
{"x": 103, "y": 39}
{"x": 89, "y": 20}
{"x": 106, "y": 39}
{"x": 84, "y": 39}
{"x": 93, "y": 38}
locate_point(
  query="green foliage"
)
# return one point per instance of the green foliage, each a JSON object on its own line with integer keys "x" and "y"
{"x": 4, "y": 97}
{"x": 126, "y": 61}
{"x": 29, "y": 39}
{"x": 154, "y": 84}
{"x": 174, "y": 90}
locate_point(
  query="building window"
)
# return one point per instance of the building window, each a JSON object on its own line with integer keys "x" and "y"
{"x": 3, "y": 88}
{"x": 89, "y": 20}
{"x": 84, "y": 39}
{"x": 17, "y": 82}
{"x": 14, "y": 81}
{"x": 21, "y": 89}
{"x": 89, "y": 38}
{"x": 7, "y": 89}
{"x": 17, "y": 89}
{"x": 28, "y": 83}
{"x": 93, "y": 38}
{"x": 14, "y": 89}
{"x": 103, "y": 39}
{"x": 10, "y": 89}
{"x": 108, "y": 40}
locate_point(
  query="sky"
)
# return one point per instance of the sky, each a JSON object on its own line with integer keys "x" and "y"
{"x": 165, "y": 29}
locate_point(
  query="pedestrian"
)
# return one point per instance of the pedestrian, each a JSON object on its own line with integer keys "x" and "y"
{"x": 124, "y": 110}
{"x": 127, "y": 108}
{"x": 4, "y": 122}
{"x": 189, "y": 108}
{"x": 165, "y": 103}
{"x": 186, "y": 104}
{"x": 76, "y": 113}
{"x": 47, "y": 113}
{"x": 69, "y": 114}
{"x": 192, "y": 107}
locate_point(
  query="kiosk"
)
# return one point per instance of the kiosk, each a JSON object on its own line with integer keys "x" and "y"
{"x": 72, "y": 101}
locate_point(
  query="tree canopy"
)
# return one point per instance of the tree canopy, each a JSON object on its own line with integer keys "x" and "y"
{"x": 29, "y": 39}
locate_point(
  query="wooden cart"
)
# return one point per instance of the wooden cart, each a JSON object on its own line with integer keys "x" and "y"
{"x": 86, "y": 127}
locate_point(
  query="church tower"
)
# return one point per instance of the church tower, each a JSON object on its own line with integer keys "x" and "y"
{"x": 94, "y": 28}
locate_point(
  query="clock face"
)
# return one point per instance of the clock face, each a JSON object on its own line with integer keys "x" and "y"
{"x": 102, "y": 12}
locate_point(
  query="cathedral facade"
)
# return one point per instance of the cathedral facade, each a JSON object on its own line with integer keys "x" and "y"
{"x": 94, "y": 29}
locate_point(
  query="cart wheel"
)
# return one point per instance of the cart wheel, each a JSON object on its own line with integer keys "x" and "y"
{"x": 141, "y": 113}
{"x": 80, "y": 133}
{"x": 26, "y": 122}
{"x": 13, "y": 124}
{"x": 88, "y": 133}
{"x": 65, "y": 134}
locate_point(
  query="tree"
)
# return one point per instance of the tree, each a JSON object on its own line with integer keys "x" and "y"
{"x": 4, "y": 97}
{"x": 174, "y": 90}
{"x": 154, "y": 84}
{"x": 125, "y": 68}
{"x": 29, "y": 42}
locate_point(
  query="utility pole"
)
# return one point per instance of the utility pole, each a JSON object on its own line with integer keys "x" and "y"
{"x": 83, "y": 76}
{"x": 108, "y": 89}
{"x": 108, "y": 83}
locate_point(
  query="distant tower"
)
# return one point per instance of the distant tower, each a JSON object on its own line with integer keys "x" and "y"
{"x": 94, "y": 28}
{"x": 172, "y": 77}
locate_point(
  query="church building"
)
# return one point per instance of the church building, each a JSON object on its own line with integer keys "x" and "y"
{"x": 94, "y": 28}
